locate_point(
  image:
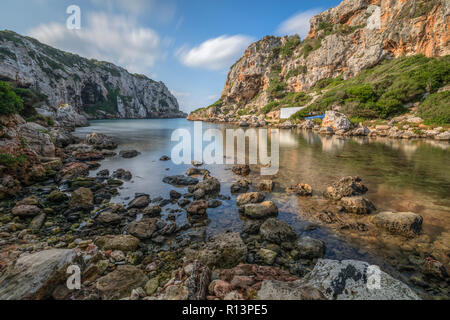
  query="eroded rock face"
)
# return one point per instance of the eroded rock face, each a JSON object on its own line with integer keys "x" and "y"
{"x": 356, "y": 280}
{"x": 35, "y": 276}
{"x": 82, "y": 84}
{"x": 342, "y": 41}
{"x": 337, "y": 121}
{"x": 404, "y": 223}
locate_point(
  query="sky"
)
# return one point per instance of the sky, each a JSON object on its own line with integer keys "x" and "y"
{"x": 190, "y": 45}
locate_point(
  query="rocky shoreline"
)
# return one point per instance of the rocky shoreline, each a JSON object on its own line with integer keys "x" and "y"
{"x": 138, "y": 251}
{"x": 403, "y": 127}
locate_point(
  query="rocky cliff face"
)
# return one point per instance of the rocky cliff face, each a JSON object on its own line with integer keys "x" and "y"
{"x": 99, "y": 89}
{"x": 343, "y": 41}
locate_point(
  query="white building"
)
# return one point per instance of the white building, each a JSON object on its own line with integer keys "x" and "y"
{"x": 286, "y": 113}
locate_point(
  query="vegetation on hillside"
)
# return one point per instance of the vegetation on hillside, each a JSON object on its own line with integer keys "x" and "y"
{"x": 385, "y": 90}
{"x": 10, "y": 102}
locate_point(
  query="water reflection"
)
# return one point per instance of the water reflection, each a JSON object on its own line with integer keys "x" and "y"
{"x": 401, "y": 175}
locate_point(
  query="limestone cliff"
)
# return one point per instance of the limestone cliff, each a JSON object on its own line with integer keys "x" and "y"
{"x": 99, "y": 89}
{"x": 342, "y": 41}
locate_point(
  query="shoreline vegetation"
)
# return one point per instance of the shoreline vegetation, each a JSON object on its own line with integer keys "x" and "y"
{"x": 402, "y": 98}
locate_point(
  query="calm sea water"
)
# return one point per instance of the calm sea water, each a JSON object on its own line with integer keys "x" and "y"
{"x": 401, "y": 175}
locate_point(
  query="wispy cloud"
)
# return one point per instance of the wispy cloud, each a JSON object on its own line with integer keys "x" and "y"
{"x": 113, "y": 38}
{"x": 162, "y": 10}
{"x": 298, "y": 24}
{"x": 215, "y": 54}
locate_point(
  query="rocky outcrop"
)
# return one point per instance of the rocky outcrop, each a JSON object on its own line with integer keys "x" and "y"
{"x": 94, "y": 88}
{"x": 342, "y": 41}
{"x": 356, "y": 280}
{"x": 35, "y": 276}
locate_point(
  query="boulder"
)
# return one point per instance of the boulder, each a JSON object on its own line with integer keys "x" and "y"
{"x": 277, "y": 231}
{"x": 241, "y": 170}
{"x": 356, "y": 280}
{"x": 57, "y": 196}
{"x": 209, "y": 187}
{"x": 345, "y": 187}
{"x": 35, "y": 276}
{"x": 143, "y": 229}
{"x": 403, "y": 223}
{"x": 101, "y": 141}
{"x": 197, "y": 208}
{"x": 37, "y": 222}
{"x": 139, "y": 202}
{"x": 241, "y": 186}
{"x": 73, "y": 170}
{"x": 82, "y": 199}
{"x": 119, "y": 283}
{"x": 25, "y": 211}
{"x": 267, "y": 256}
{"x": 120, "y": 242}
{"x": 337, "y": 121}
{"x": 278, "y": 290}
{"x": 261, "y": 210}
{"x": 38, "y": 139}
{"x": 225, "y": 250}
{"x": 310, "y": 248}
{"x": 252, "y": 197}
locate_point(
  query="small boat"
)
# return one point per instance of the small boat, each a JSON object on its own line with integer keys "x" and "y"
{"x": 315, "y": 117}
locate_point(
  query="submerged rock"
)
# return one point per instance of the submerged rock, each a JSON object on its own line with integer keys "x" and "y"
{"x": 241, "y": 170}
{"x": 128, "y": 154}
{"x": 358, "y": 205}
{"x": 345, "y": 187}
{"x": 404, "y": 223}
{"x": 180, "y": 180}
{"x": 310, "y": 248}
{"x": 301, "y": 190}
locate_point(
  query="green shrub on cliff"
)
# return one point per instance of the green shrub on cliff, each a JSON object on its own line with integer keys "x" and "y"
{"x": 10, "y": 103}
{"x": 436, "y": 108}
{"x": 384, "y": 90}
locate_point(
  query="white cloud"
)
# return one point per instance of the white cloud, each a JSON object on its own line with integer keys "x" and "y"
{"x": 215, "y": 54}
{"x": 112, "y": 38}
{"x": 298, "y": 24}
{"x": 162, "y": 10}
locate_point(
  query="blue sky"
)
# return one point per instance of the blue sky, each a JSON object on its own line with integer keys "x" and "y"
{"x": 187, "y": 44}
